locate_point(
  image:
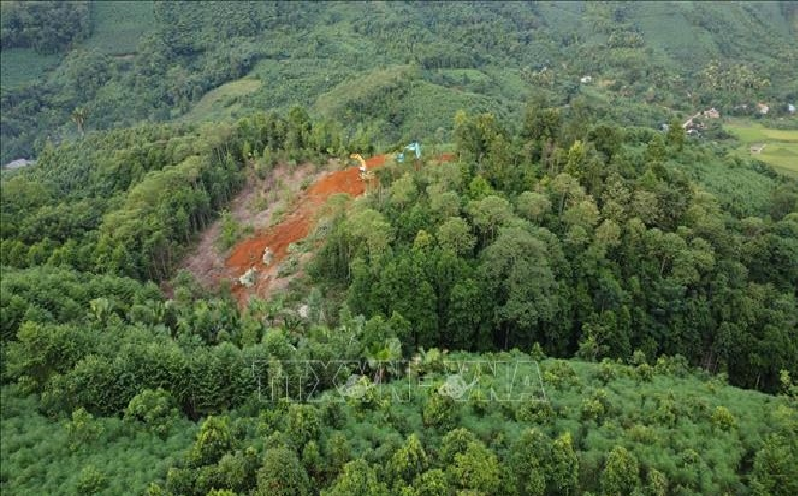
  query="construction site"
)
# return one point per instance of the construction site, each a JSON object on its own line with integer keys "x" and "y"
{"x": 252, "y": 266}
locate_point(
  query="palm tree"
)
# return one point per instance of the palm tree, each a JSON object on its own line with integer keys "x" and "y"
{"x": 100, "y": 308}
{"x": 79, "y": 117}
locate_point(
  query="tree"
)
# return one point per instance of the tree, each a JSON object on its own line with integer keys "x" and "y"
{"x": 646, "y": 206}
{"x": 440, "y": 411}
{"x": 489, "y": 214}
{"x": 213, "y": 440}
{"x": 516, "y": 271}
{"x": 584, "y": 214}
{"x": 91, "y": 480}
{"x": 577, "y": 159}
{"x": 409, "y": 461}
{"x": 563, "y": 474}
{"x": 155, "y": 408}
{"x": 528, "y": 462}
{"x": 403, "y": 190}
{"x": 775, "y": 469}
{"x": 477, "y": 469}
{"x": 565, "y": 186}
{"x": 304, "y": 423}
{"x": 373, "y": 229}
{"x": 357, "y": 478}
{"x": 657, "y": 483}
{"x": 455, "y": 234}
{"x": 282, "y": 474}
{"x": 542, "y": 467}
{"x": 454, "y": 442}
{"x": 79, "y": 116}
{"x": 621, "y": 473}
{"x": 431, "y": 483}
{"x": 722, "y": 418}
{"x": 675, "y": 136}
{"x": 337, "y": 453}
{"x": 655, "y": 149}
{"x": 607, "y": 140}
{"x": 83, "y": 429}
{"x": 532, "y": 206}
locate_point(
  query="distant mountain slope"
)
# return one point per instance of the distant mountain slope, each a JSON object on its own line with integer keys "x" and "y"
{"x": 156, "y": 61}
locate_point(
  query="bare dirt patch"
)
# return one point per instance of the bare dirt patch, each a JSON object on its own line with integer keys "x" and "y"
{"x": 211, "y": 267}
{"x": 206, "y": 261}
{"x": 295, "y": 227}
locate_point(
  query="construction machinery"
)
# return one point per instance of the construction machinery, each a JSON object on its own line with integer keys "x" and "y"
{"x": 364, "y": 172}
{"x": 414, "y": 147}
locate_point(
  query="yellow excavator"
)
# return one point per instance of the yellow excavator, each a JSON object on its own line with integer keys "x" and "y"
{"x": 365, "y": 174}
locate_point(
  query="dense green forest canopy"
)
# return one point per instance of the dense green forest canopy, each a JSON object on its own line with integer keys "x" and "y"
{"x": 580, "y": 302}
{"x": 600, "y": 248}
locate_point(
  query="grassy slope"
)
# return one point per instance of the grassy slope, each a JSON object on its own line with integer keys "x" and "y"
{"x": 341, "y": 54}
{"x": 223, "y": 102}
{"x": 23, "y": 65}
{"x": 118, "y": 26}
{"x": 116, "y": 29}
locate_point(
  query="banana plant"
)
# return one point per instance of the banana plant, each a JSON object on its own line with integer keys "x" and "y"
{"x": 385, "y": 359}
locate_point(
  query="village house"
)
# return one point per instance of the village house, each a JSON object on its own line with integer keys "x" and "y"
{"x": 791, "y": 108}
{"x": 711, "y": 113}
{"x": 757, "y": 149}
{"x": 762, "y": 108}
{"x": 586, "y": 79}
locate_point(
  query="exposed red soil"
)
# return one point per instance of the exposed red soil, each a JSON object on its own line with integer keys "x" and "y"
{"x": 206, "y": 261}
{"x": 293, "y": 228}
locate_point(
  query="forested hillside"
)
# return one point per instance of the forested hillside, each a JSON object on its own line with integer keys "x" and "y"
{"x": 562, "y": 295}
{"x": 487, "y": 56}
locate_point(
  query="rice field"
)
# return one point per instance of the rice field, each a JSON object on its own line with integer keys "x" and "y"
{"x": 780, "y": 146}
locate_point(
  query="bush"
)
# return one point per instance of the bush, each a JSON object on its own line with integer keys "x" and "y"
{"x": 155, "y": 408}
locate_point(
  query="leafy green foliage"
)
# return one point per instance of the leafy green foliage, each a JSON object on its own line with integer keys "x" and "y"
{"x": 585, "y": 254}
{"x": 565, "y": 227}
{"x": 47, "y": 27}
